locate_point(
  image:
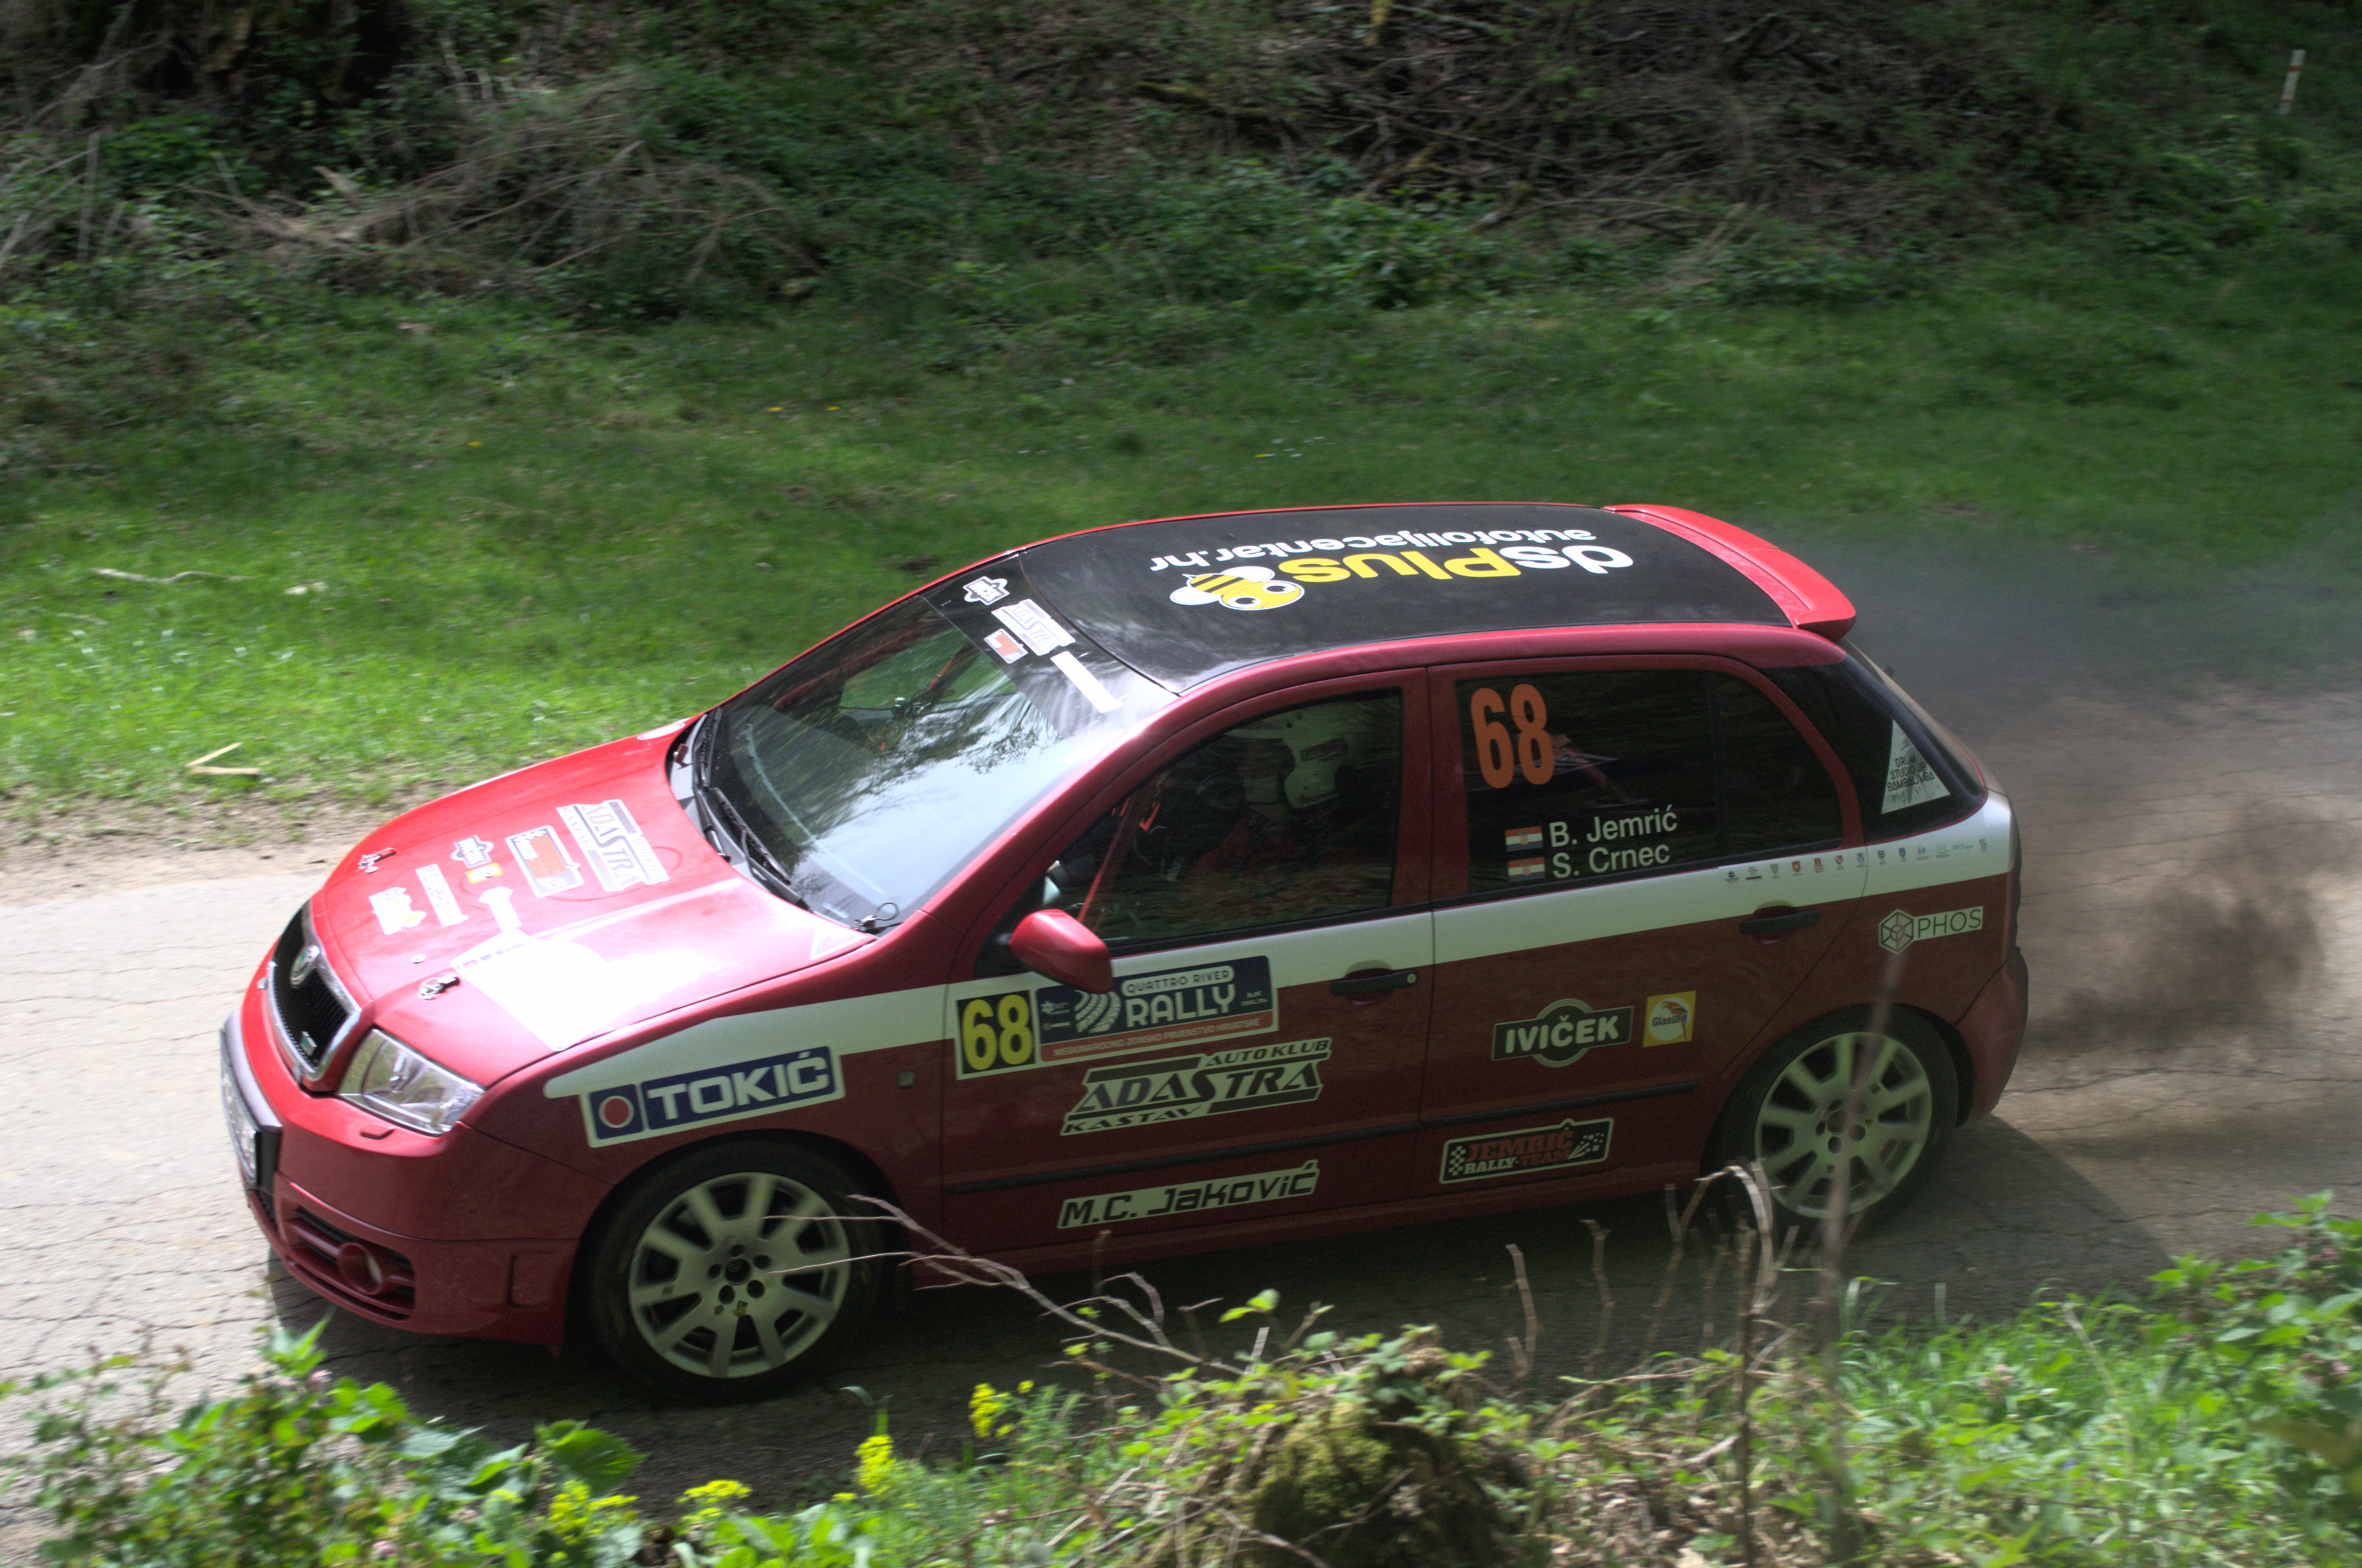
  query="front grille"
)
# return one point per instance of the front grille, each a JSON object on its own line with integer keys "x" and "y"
{"x": 307, "y": 1002}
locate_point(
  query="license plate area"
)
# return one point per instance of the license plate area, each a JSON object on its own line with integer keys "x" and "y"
{"x": 253, "y": 1130}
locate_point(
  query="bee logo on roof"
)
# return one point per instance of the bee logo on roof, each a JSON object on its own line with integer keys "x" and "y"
{"x": 1239, "y": 588}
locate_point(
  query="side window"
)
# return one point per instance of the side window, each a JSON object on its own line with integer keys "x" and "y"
{"x": 1776, "y": 793}
{"x": 1577, "y": 776}
{"x": 1291, "y": 816}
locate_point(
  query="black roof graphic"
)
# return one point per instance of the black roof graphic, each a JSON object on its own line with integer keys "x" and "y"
{"x": 1187, "y": 599}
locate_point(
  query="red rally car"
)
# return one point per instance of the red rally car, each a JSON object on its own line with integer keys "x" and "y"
{"x": 1164, "y": 887}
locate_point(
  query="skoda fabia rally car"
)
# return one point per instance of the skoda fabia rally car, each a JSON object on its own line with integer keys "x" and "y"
{"x": 1164, "y": 887}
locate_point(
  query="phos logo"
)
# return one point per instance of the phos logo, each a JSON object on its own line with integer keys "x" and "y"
{"x": 1239, "y": 588}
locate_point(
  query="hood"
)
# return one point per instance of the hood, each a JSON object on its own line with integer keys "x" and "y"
{"x": 568, "y": 899}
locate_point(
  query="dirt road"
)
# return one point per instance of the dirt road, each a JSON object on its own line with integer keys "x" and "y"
{"x": 2190, "y": 920}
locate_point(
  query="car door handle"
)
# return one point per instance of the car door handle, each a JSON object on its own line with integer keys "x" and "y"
{"x": 1793, "y": 919}
{"x": 1385, "y": 980}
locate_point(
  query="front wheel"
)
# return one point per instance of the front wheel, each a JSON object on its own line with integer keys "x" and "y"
{"x": 1791, "y": 1116}
{"x": 733, "y": 1271}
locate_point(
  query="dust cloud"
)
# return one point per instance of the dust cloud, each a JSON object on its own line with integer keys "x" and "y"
{"x": 2186, "y": 762}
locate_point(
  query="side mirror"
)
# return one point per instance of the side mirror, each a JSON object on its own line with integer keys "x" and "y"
{"x": 1053, "y": 942}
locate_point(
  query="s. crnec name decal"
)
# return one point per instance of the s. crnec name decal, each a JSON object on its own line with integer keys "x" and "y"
{"x": 1180, "y": 1088}
{"x": 1190, "y": 1197}
{"x": 1145, "y": 1013}
{"x": 1900, "y": 930}
{"x": 725, "y": 1092}
{"x": 1562, "y": 1033}
{"x": 1225, "y": 577}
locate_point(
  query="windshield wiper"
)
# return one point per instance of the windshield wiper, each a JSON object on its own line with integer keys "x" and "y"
{"x": 737, "y": 833}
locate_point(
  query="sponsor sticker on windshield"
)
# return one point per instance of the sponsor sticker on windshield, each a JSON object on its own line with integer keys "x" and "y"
{"x": 1036, "y": 625}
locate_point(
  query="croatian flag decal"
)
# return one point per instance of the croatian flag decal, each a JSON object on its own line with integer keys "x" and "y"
{"x": 1523, "y": 838}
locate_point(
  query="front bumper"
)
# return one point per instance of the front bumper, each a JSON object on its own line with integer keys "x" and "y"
{"x": 493, "y": 1288}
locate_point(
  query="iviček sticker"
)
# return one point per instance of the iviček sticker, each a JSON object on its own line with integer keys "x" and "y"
{"x": 1562, "y": 1033}
{"x": 1180, "y": 1088}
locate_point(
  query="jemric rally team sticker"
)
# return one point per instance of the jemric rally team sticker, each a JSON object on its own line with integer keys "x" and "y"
{"x": 1163, "y": 1008}
{"x": 654, "y": 1107}
{"x": 1527, "y": 1150}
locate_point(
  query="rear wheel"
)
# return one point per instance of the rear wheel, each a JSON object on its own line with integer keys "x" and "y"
{"x": 1791, "y": 1115}
{"x": 733, "y": 1271}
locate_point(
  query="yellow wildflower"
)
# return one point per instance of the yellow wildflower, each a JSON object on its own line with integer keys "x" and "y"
{"x": 877, "y": 1463}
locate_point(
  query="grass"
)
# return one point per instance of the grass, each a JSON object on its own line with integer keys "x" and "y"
{"x": 453, "y": 536}
{"x": 2205, "y": 1426}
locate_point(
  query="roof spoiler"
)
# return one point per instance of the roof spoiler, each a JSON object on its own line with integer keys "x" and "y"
{"x": 1810, "y": 601}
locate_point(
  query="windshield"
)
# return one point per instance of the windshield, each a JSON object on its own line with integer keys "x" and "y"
{"x": 858, "y": 779}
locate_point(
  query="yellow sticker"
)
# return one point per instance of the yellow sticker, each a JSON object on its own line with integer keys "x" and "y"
{"x": 1671, "y": 1019}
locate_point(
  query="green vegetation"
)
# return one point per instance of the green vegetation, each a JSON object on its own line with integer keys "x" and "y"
{"x": 525, "y": 376}
{"x": 453, "y": 536}
{"x": 2216, "y": 1424}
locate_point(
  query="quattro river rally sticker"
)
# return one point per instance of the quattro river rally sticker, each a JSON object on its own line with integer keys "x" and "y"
{"x": 1154, "y": 1012}
{"x": 1563, "y": 1033}
{"x": 1180, "y": 1088}
{"x": 1526, "y": 1150}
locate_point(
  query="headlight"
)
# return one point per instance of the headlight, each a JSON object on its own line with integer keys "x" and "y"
{"x": 396, "y": 1082}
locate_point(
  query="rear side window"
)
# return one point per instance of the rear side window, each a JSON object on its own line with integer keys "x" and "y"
{"x": 1907, "y": 780}
{"x": 1592, "y": 775}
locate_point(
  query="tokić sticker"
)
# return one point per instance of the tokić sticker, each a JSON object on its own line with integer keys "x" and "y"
{"x": 654, "y": 1107}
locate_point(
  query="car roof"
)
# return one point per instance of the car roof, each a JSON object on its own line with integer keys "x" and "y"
{"x": 1184, "y": 599}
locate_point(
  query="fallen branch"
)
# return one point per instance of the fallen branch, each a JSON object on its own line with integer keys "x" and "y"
{"x": 199, "y": 764}
{"x": 166, "y": 582}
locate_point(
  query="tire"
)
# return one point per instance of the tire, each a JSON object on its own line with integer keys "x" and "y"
{"x": 1785, "y": 1116}
{"x": 733, "y": 1272}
